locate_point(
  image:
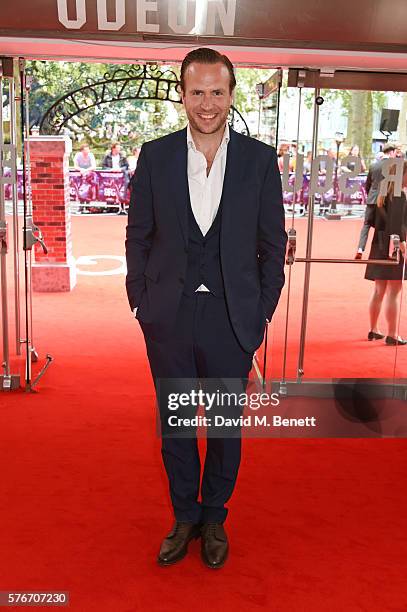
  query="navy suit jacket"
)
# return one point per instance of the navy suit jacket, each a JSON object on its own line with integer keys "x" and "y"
{"x": 252, "y": 236}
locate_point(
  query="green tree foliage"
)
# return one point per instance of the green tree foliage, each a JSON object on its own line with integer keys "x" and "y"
{"x": 135, "y": 121}
{"x": 147, "y": 119}
{"x": 129, "y": 121}
{"x": 246, "y": 98}
{"x": 359, "y": 108}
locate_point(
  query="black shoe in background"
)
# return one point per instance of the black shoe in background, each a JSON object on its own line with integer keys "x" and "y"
{"x": 374, "y": 336}
{"x": 390, "y": 341}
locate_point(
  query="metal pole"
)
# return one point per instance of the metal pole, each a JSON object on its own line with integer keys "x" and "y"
{"x": 276, "y": 142}
{"x": 358, "y": 262}
{"x": 278, "y": 105}
{"x": 27, "y": 88}
{"x": 310, "y": 227}
{"x": 290, "y": 267}
{"x": 3, "y": 257}
{"x": 16, "y": 229}
{"x": 8, "y": 381}
{"x": 399, "y": 321}
{"x": 28, "y": 371}
{"x": 265, "y": 358}
{"x": 259, "y": 118}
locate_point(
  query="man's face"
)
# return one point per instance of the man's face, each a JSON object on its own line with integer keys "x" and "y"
{"x": 207, "y": 98}
{"x": 116, "y": 150}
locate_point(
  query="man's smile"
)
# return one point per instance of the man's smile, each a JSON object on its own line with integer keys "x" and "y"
{"x": 206, "y": 117}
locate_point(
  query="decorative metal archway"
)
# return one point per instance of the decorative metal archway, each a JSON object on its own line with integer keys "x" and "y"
{"x": 139, "y": 82}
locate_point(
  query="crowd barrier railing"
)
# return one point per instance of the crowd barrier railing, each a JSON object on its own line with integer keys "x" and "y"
{"x": 110, "y": 188}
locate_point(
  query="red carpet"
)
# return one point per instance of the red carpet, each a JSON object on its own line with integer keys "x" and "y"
{"x": 313, "y": 525}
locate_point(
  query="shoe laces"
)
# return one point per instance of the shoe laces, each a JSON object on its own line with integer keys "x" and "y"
{"x": 179, "y": 526}
{"x": 211, "y": 529}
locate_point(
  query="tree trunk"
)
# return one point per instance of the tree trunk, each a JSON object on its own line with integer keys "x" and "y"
{"x": 349, "y": 135}
{"x": 366, "y": 147}
{"x": 360, "y": 122}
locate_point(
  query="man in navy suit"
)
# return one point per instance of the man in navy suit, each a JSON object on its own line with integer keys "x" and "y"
{"x": 205, "y": 252}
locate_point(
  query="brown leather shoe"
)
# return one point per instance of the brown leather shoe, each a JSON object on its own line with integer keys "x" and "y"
{"x": 175, "y": 546}
{"x": 214, "y": 545}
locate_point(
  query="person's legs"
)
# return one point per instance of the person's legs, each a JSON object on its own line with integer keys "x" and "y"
{"x": 367, "y": 224}
{"x": 376, "y": 303}
{"x": 364, "y": 234}
{"x": 392, "y": 306}
{"x": 173, "y": 369}
{"x": 225, "y": 365}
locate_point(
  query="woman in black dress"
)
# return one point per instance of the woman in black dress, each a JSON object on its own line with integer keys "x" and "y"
{"x": 390, "y": 218}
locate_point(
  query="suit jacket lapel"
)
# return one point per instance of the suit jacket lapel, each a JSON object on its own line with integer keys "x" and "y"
{"x": 179, "y": 180}
{"x": 234, "y": 173}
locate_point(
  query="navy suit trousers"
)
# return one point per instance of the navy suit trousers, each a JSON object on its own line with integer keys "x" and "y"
{"x": 201, "y": 346}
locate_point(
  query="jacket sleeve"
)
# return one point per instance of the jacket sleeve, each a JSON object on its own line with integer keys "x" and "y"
{"x": 139, "y": 231}
{"x": 124, "y": 163}
{"x": 368, "y": 183}
{"x": 272, "y": 238}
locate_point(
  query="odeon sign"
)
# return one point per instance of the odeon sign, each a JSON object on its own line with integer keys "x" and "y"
{"x": 378, "y": 25}
{"x": 180, "y": 16}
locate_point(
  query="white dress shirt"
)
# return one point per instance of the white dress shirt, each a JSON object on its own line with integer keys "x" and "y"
{"x": 205, "y": 191}
{"x": 116, "y": 162}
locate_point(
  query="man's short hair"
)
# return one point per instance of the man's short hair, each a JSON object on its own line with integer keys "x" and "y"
{"x": 204, "y": 55}
{"x": 388, "y": 148}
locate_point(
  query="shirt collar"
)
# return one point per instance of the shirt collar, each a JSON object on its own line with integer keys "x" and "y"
{"x": 223, "y": 144}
